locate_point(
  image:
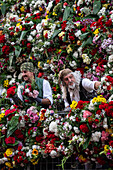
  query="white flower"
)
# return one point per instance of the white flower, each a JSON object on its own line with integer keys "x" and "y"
{"x": 75, "y": 54}
{"x": 96, "y": 136}
{"x": 33, "y": 33}
{"x": 27, "y": 90}
{"x": 73, "y": 64}
{"x": 12, "y": 81}
{"x": 76, "y": 130}
{"x": 79, "y": 2}
{"x": 50, "y": 4}
{"x": 78, "y": 33}
{"x": 30, "y": 38}
{"x": 44, "y": 22}
{"x": 29, "y": 153}
{"x": 110, "y": 98}
{"x": 53, "y": 126}
{"x": 110, "y": 59}
{"x": 35, "y": 147}
{"x": 53, "y": 153}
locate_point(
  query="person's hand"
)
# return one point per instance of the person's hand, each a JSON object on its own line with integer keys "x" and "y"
{"x": 34, "y": 94}
{"x": 97, "y": 84}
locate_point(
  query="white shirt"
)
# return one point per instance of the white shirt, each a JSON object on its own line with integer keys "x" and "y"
{"x": 47, "y": 92}
{"x": 87, "y": 84}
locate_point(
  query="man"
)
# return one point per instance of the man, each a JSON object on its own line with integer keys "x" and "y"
{"x": 44, "y": 96}
{"x": 71, "y": 82}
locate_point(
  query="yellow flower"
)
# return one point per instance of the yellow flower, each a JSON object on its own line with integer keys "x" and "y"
{"x": 99, "y": 99}
{"x": 39, "y": 65}
{"x": 74, "y": 9}
{"x": 106, "y": 148}
{"x": 54, "y": 14}
{"x": 47, "y": 12}
{"x": 18, "y": 24}
{"x": 15, "y": 33}
{"x": 1, "y": 116}
{"x": 8, "y": 164}
{"x": 74, "y": 104}
{"x": 82, "y": 158}
{"x": 30, "y": 57}
{"x": 6, "y": 83}
{"x": 9, "y": 151}
{"x": 61, "y": 34}
{"x": 19, "y": 19}
{"x": 46, "y": 17}
{"x": 86, "y": 67}
{"x": 40, "y": 9}
{"x": 96, "y": 31}
{"x": 69, "y": 49}
{"x": 22, "y": 9}
{"x": 48, "y": 61}
{"x": 105, "y": 5}
{"x": 35, "y": 152}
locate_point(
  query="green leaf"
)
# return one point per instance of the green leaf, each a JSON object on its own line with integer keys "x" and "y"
{"x": 66, "y": 13}
{"x": 89, "y": 41}
{"x": 96, "y": 6}
{"x": 85, "y": 145}
{"x": 56, "y": 32}
{"x": 11, "y": 59}
{"x": 16, "y": 143}
{"x": 12, "y": 125}
{"x": 23, "y": 35}
{"x": 84, "y": 35}
{"x": 18, "y": 50}
{"x": 64, "y": 39}
{"x": 3, "y": 9}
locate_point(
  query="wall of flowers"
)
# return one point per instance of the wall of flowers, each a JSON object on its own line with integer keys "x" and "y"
{"x": 56, "y": 34}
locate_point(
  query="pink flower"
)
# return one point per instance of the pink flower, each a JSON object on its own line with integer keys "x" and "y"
{"x": 35, "y": 93}
{"x": 104, "y": 136}
{"x": 86, "y": 114}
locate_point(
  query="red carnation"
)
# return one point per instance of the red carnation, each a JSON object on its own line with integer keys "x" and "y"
{"x": 11, "y": 91}
{"x": 84, "y": 128}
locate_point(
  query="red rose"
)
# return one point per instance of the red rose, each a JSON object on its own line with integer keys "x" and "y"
{"x": 19, "y": 134}
{"x": 98, "y": 112}
{"x": 10, "y": 140}
{"x": 71, "y": 38}
{"x": 28, "y": 45}
{"x": 40, "y": 74}
{"x": 84, "y": 29}
{"x": 2, "y": 38}
{"x": 96, "y": 121}
{"x": 5, "y": 49}
{"x": 11, "y": 33}
{"x": 111, "y": 143}
{"x": 84, "y": 128}
{"x": 39, "y": 138}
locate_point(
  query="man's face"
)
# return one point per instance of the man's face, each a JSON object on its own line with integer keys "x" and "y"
{"x": 27, "y": 76}
{"x": 69, "y": 80}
